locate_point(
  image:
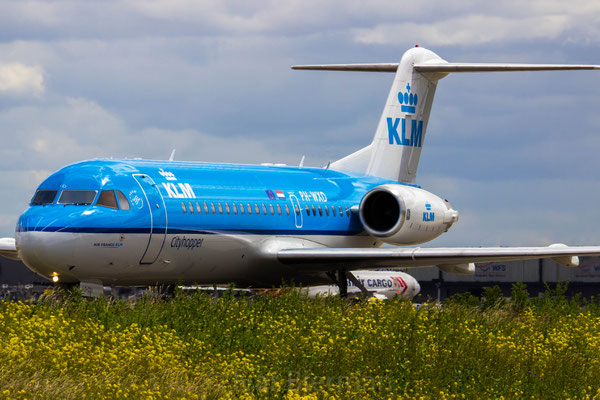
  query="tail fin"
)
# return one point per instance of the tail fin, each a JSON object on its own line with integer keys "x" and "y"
{"x": 396, "y": 147}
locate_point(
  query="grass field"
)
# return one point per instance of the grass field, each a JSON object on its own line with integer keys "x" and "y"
{"x": 192, "y": 346}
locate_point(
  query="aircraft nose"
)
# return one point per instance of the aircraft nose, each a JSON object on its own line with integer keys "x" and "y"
{"x": 36, "y": 242}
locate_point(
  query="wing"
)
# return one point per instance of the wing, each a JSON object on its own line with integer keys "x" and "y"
{"x": 8, "y": 248}
{"x": 357, "y": 258}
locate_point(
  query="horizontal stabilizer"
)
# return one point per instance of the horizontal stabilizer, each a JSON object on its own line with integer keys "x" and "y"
{"x": 495, "y": 67}
{"x": 386, "y": 67}
{"x": 447, "y": 67}
{"x": 355, "y": 258}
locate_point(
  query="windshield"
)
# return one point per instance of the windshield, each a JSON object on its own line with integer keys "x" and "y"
{"x": 43, "y": 197}
{"x": 107, "y": 199}
{"x": 77, "y": 197}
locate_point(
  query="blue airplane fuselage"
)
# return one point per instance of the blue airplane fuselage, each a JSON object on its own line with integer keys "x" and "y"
{"x": 183, "y": 221}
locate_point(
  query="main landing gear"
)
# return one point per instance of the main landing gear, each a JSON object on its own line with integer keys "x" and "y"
{"x": 341, "y": 278}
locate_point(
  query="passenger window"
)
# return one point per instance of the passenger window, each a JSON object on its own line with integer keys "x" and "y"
{"x": 242, "y": 208}
{"x": 320, "y": 211}
{"x": 271, "y": 209}
{"x": 183, "y": 207}
{"x": 264, "y": 209}
{"x": 77, "y": 197}
{"x": 249, "y": 208}
{"x": 287, "y": 210}
{"x": 191, "y": 207}
{"x": 234, "y": 208}
{"x": 297, "y": 210}
{"x": 257, "y": 209}
{"x": 108, "y": 199}
{"x": 43, "y": 197}
{"x": 341, "y": 211}
{"x": 307, "y": 210}
{"x": 220, "y": 207}
{"x": 278, "y": 209}
{"x": 212, "y": 207}
{"x": 333, "y": 210}
{"x": 314, "y": 211}
{"x": 198, "y": 208}
{"x": 327, "y": 210}
{"x": 123, "y": 203}
{"x": 347, "y": 211}
{"x": 227, "y": 208}
{"x": 206, "y": 208}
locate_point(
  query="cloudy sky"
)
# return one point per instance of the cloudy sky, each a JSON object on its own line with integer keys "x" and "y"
{"x": 516, "y": 154}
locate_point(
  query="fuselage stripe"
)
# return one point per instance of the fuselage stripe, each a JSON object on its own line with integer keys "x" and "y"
{"x": 295, "y": 232}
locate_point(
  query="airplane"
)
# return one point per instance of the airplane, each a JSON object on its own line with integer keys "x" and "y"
{"x": 381, "y": 285}
{"x": 145, "y": 222}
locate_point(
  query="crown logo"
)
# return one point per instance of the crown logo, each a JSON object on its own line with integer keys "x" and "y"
{"x": 428, "y": 206}
{"x": 167, "y": 175}
{"x": 408, "y": 100}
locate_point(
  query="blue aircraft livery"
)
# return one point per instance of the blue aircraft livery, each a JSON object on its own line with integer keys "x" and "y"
{"x": 141, "y": 222}
{"x": 190, "y": 198}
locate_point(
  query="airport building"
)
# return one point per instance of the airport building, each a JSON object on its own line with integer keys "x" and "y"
{"x": 16, "y": 278}
{"x": 584, "y": 279}
{"x": 18, "y": 281}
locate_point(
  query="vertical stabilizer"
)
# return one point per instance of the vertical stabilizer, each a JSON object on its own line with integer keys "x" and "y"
{"x": 396, "y": 147}
{"x": 400, "y": 134}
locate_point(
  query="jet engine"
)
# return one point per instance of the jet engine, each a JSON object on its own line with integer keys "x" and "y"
{"x": 403, "y": 215}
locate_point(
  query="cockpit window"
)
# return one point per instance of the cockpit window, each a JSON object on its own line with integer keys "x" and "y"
{"x": 123, "y": 201}
{"x": 107, "y": 199}
{"x": 43, "y": 197}
{"x": 77, "y": 197}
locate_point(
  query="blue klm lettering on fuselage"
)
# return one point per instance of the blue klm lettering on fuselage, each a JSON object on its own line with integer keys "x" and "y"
{"x": 416, "y": 132}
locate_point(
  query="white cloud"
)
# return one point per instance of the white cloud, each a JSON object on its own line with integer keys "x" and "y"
{"x": 429, "y": 18}
{"x": 468, "y": 30}
{"x": 21, "y": 79}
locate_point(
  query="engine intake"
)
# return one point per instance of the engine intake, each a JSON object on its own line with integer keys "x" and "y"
{"x": 381, "y": 212}
{"x": 401, "y": 214}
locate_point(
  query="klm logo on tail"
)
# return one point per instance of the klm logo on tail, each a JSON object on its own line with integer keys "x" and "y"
{"x": 408, "y": 103}
{"x": 408, "y": 100}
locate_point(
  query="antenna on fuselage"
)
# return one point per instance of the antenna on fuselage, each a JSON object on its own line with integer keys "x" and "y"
{"x": 172, "y": 155}
{"x": 301, "y": 162}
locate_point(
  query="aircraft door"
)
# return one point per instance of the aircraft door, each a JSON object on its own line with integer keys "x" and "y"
{"x": 158, "y": 218}
{"x": 296, "y": 210}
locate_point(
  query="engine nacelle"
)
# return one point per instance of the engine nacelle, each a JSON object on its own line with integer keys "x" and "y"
{"x": 403, "y": 215}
